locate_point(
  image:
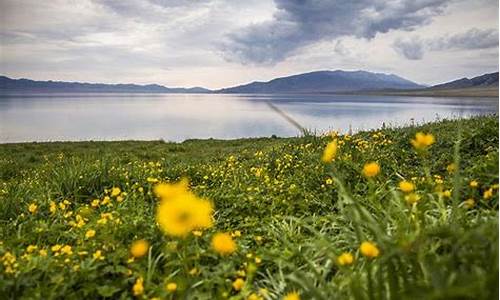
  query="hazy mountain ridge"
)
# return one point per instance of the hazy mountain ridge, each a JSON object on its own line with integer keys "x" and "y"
{"x": 326, "y": 81}
{"x": 9, "y": 84}
{"x": 486, "y": 80}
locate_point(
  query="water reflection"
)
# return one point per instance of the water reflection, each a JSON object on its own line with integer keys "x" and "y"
{"x": 178, "y": 117}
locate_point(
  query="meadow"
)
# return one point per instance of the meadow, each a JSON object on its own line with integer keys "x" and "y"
{"x": 407, "y": 213}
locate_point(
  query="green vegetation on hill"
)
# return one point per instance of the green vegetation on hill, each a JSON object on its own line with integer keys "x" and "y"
{"x": 69, "y": 213}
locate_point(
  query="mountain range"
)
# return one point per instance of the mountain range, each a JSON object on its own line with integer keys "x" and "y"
{"x": 313, "y": 82}
{"x": 9, "y": 84}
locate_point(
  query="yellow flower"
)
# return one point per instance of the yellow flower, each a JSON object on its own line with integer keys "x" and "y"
{"x": 469, "y": 203}
{"x": 447, "y": 194}
{"x": 56, "y": 248}
{"x": 66, "y": 250}
{"x": 197, "y": 233}
{"x": 488, "y": 193}
{"x": 473, "y": 184}
{"x": 139, "y": 248}
{"x": 254, "y": 296}
{"x": 32, "y": 208}
{"x": 371, "y": 169}
{"x": 329, "y": 181}
{"x": 43, "y": 252}
{"x": 451, "y": 168}
{"x": 166, "y": 191}
{"x": 90, "y": 233}
{"x": 95, "y": 203}
{"x": 223, "y": 244}
{"x": 329, "y": 152}
{"x": 236, "y": 233}
{"x": 345, "y": 259}
{"x": 369, "y": 249}
{"x": 238, "y": 284}
{"x": 412, "y": 198}
{"x": 292, "y": 296}
{"x": 52, "y": 207}
{"x": 31, "y": 248}
{"x": 98, "y": 255}
{"x": 115, "y": 191}
{"x": 138, "y": 287}
{"x": 422, "y": 140}
{"x": 406, "y": 186}
{"x": 171, "y": 287}
{"x": 183, "y": 213}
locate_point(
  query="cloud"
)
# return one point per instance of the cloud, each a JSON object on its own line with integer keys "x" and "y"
{"x": 299, "y": 23}
{"x": 412, "y": 49}
{"x": 473, "y": 39}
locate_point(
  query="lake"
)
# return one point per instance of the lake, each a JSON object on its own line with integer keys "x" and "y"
{"x": 176, "y": 117}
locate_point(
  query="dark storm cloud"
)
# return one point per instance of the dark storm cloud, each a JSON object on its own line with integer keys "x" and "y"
{"x": 472, "y": 39}
{"x": 299, "y": 23}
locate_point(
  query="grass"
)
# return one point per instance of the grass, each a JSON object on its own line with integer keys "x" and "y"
{"x": 290, "y": 215}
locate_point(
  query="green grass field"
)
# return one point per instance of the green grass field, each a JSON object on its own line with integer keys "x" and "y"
{"x": 70, "y": 212}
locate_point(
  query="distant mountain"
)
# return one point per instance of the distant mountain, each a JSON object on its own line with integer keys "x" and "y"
{"x": 9, "y": 84}
{"x": 326, "y": 81}
{"x": 486, "y": 80}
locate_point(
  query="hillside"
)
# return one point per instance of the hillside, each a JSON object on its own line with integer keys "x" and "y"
{"x": 8, "y": 84}
{"x": 483, "y": 81}
{"x": 326, "y": 81}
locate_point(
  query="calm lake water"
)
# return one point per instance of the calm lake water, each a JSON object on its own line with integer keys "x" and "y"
{"x": 176, "y": 117}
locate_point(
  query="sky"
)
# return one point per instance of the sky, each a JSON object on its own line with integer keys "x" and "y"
{"x": 222, "y": 43}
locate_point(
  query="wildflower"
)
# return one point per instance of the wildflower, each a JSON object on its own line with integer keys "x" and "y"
{"x": 406, "y": 186}
{"x": 329, "y": 181}
{"x": 32, "y": 208}
{"x": 329, "y": 152}
{"x": 167, "y": 191}
{"x": 292, "y": 296}
{"x": 258, "y": 260}
{"x": 171, "y": 287}
{"x": 42, "y": 252}
{"x": 197, "y": 233}
{"x": 473, "y": 184}
{"x": 183, "y": 213}
{"x": 236, "y": 233}
{"x": 31, "y": 248}
{"x": 238, "y": 284}
{"x": 95, "y": 203}
{"x": 371, "y": 169}
{"x": 422, "y": 141}
{"x": 488, "y": 193}
{"x": 451, "y": 168}
{"x": 66, "y": 250}
{"x": 469, "y": 203}
{"x": 98, "y": 255}
{"x": 345, "y": 259}
{"x": 139, "y": 248}
{"x": 52, "y": 207}
{"x": 412, "y": 198}
{"x": 193, "y": 271}
{"x": 447, "y": 194}
{"x": 56, "y": 248}
{"x": 369, "y": 249}
{"x": 138, "y": 287}
{"x": 90, "y": 233}
{"x": 254, "y": 296}
{"x": 115, "y": 191}
{"x": 223, "y": 244}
